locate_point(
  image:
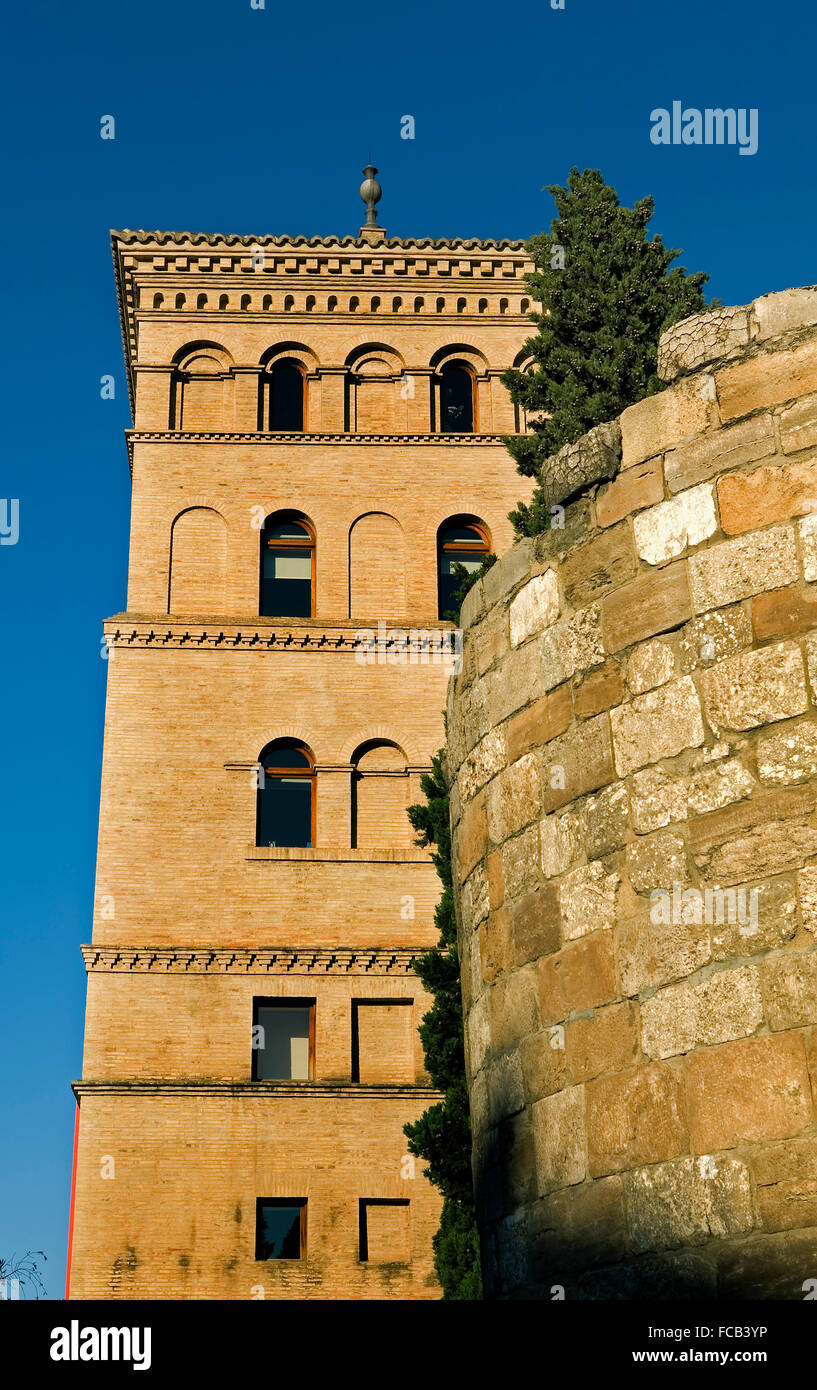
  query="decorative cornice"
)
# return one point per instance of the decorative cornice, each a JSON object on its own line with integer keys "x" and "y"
{"x": 339, "y": 854}
{"x": 220, "y": 634}
{"x": 262, "y": 960}
{"x": 133, "y": 237}
{"x": 258, "y": 437}
{"x": 270, "y": 1090}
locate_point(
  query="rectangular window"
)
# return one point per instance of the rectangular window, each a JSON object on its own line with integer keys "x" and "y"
{"x": 383, "y": 1040}
{"x": 385, "y": 1235}
{"x": 280, "y": 1228}
{"x": 283, "y": 1040}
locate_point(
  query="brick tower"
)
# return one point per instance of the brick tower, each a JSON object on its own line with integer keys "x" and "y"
{"x": 317, "y": 438}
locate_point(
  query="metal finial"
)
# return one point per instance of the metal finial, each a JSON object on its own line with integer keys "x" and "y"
{"x": 371, "y": 193}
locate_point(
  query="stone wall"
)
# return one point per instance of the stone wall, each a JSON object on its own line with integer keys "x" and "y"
{"x": 633, "y": 753}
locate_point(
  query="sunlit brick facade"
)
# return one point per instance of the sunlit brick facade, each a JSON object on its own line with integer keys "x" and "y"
{"x": 205, "y": 921}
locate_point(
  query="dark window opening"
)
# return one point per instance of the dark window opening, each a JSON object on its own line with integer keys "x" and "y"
{"x": 456, "y": 400}
{"x": 280, "y": 1228}
{"x": 283, "y": 1039}
{"x": 287, "y": 569}
{"x": 286, "y": 797}
{"x": 286, "y": 398}
{"x": 459, "y": 543}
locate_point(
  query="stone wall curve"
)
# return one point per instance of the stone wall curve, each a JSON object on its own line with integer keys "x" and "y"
{"x": 633, "y": 762}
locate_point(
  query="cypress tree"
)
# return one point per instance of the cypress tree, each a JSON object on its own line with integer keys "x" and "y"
{"x": 442, "y": 1135}
{"x": 606, "y": 293}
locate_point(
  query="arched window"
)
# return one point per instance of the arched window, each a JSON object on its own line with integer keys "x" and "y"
{"x": 224, "y": 301}
{"x": 310, "y": 303}
{"x": 456, "y": 399}
{"x": 440, "y": 305}
{"x": 179, "y": 301}
{"x": 284, "y": 405}
{"x": 287, "y": 567}
{"x": 158, "y": 301}
{"x": 332, "y": 303}
{"x": 354, "y": 304}
{"x": 483, "y": 306}
{"x": 419, "y": 304}
{"x": 461, "y": 540}
{"x": 396, "y": 305}
{"x": 461, "y": 306}
{"x": 289, "y": 304}
{"x": 286, "y": 795}
{"x": 266, "y": 302}
{"x": 201, "y": 302}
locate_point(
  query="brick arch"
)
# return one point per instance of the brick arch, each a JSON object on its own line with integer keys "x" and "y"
{"x": 380, "y": 733}
{"x": 198, "y": 562}
{"x": 460, "y": 352}
{"x": 377, "y": 567}
{"x": 295, "y": 732}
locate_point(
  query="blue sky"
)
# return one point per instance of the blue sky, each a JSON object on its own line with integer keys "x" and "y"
{"x": 230, "y": 118}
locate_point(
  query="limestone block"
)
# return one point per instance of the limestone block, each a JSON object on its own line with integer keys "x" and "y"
{"x": 787, "y": 756}
{"x": 714, "y": 453}
{"x": 587, "y": 898}
{"x": 769, "y": 378}
{"x": 649, "y": 604}
{"x": 594, "y": 457}
{"x": 702, "y": 338}
{"x": 560, "y": 1139}
{"x": 534, "y": 607}
{"x": 652, "y": 951}
{"x": 666, "y": 531}
{"x": 748, "y": 1091}
{"x": 562, "y": 843}
{"x": 713, "y": 636}
{"x": 640, "y": 486}
{"x": 687, "y": 1202}
{"x": 606, "y": 820}
{"x": 738, "y": 568}
{"x": 657, "y": 725}
{"x": 635, "y": 1117}
{"x": 653, "y": 425}
{"x": 514, "y": 798}
{"x": 747, "y": 501}
{"x": 657, "y": 799}
{"x": 577, "y": 762}
{"x": 756, "y": 687}
{"x": 657, "y": 861}
{"x": 650, "y": 665}
{"x": 723, "y": 1007}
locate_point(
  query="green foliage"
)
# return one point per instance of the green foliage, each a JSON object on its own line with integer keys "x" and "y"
{"x": 606, "y": 292}
{"x": 468, "y": 579}
{"x": 442, "y": 1135}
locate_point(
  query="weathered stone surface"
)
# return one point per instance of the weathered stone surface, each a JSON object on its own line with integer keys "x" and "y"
{"x": 534, "y": 607}
{"x": 606, "y": 821}
{"x": 640, "y": 486}
{"x": 606, "y": 1041}
{"x": 788, "y": 755}
{"x": 769, "y": 922}
{"x": 591, "y": 459}
{"x": 580, "y": 976}
{"x": 756, "y": 687}
{"x": 790, "y": 990}
{"x": 516, "y": 1159}
{"x": 514, "y": 798}
{"x": 560, "y": 1140}
{"x": 471, "y": 836}
{"x": 807, "y": 538}
{"x": 747, "y": 1091}
{"x": 798, "y": 425}
{"x": 496, "y": 954}
{"x": 650, "y": 665}
{"x": 634, "y": 1117}
{"x": 474, "y": 898}
{"x": 653, "y": 951}
{"x": 511, "y": 685}
{"x": 702, "y": 338}
{"x": 658, "y": 422}
{"x": 598, "y": 566}
{"x": 562, "y": 843}
{"x": 721, "y": 1008}
{"x": 657, "y": 798}
{"x": 765, "y": 380}
{"x": 649, "y": 604}
{"x": 478, "y": 1034}
{"x": 657, "y": 725}
{"x": 687, "y": 1202}
{"x": 579, "y": 1227}
{"x": 742, "y": 567}
{"x": 719, "y": 785}
{"x": 771, "y": 1267}
{"x": 536, "y": 924}
{"x": 783, "y": 612}
{"x": 753, "y": 839}
{"x": 482, "y": 763}
{"x": 747, "y": 501}
{"x": 785, "y": 1177}
{"x": 810, "y": 647}
{"x": 510, "y": 569}
{"x": 521, "y": 862}
{"x": 543, "y": 1063}
{"x": 514, "y": 1009}
{"x": 807, "y": 895}
{"x": 713, "y": 453}
{"x": 578, "y": 762}
{"x": 657, "y": 861}
{"x": 599, "y": 691}
{"x": 714, "y": 636}
{"x": 504, "y": 1086}
{"x": 539, "y": 723}
{"x": 674, "y": 526}
{"x": 575, "y": 644}
{"x": 587, "y": 898}
{"x": 782, "y": 311}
